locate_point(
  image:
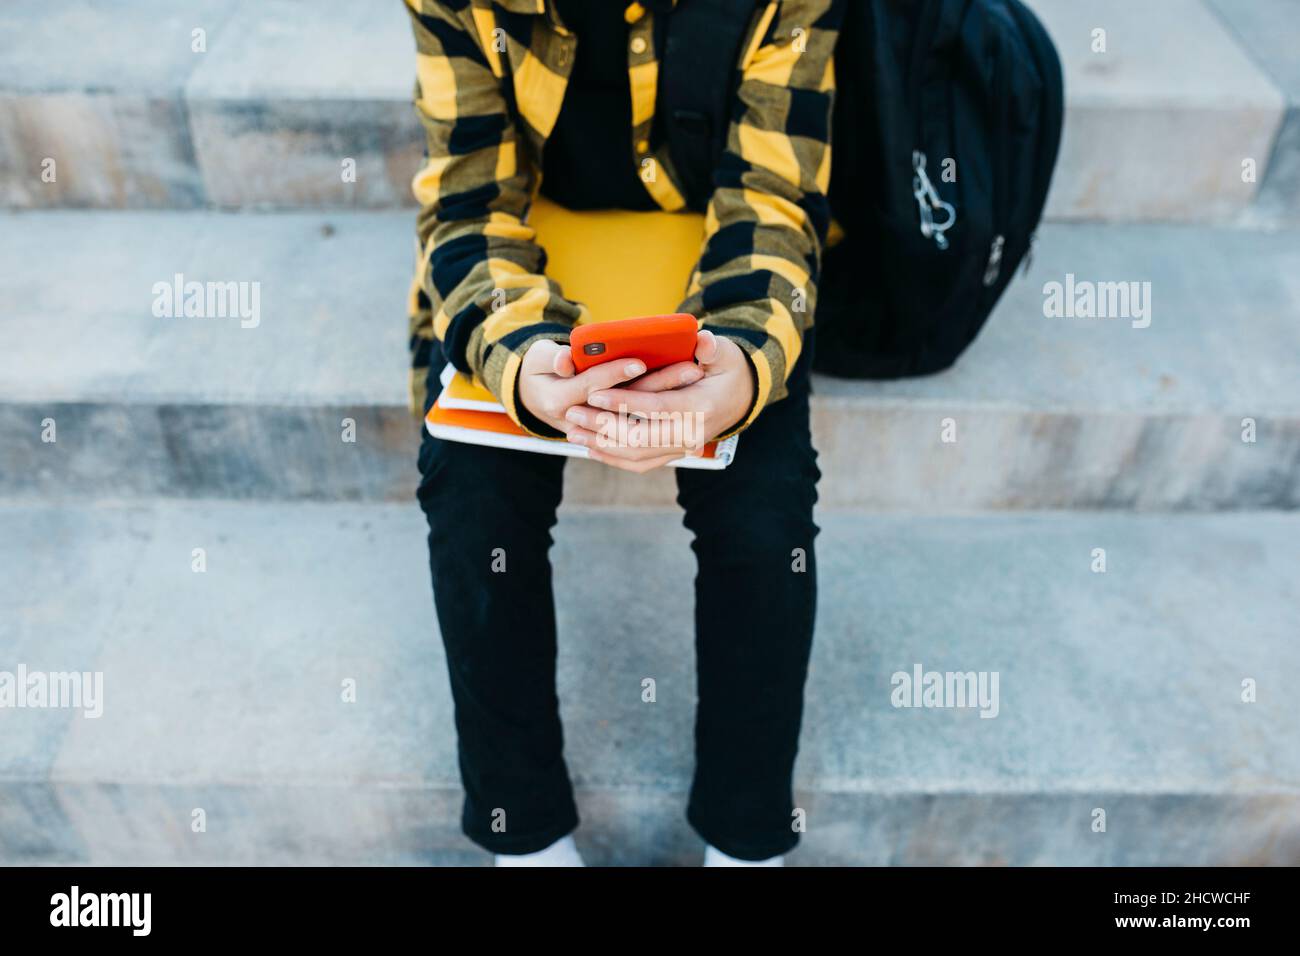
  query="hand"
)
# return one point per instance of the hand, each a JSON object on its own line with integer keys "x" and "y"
{"x": 549, "y": 384}
{"x": 643, "y": 426}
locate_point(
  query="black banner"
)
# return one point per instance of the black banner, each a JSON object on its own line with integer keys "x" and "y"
{"x": 333, "y": 906}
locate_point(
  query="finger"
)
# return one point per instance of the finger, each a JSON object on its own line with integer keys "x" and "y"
{"x": 635, "y": 402}
{"x": 563, "y": 364}
{"x": 539, "y": 358}
{"x": 631, "y": 439}
{"x": 584, "y": 416}
{"x": 603, "y": 376}
{"x": 637, "y": 467}
{"x": 603, "y": 420}
{"x": 577, "y": 435}
{"x": 594, "y": 442}
{"x": 671, "y": 376}
{"x": 634, "y": 451}
{"x": 562, "y": 426}
{"x": 602, "y": 444}
{"x": 706, "y": 347}
{"x": 593, "y": 428}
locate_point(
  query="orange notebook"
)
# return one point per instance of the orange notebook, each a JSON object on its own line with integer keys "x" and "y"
{"x": 466, "y": 412}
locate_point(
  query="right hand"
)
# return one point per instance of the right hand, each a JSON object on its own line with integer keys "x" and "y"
{"x": 549, "y": 385}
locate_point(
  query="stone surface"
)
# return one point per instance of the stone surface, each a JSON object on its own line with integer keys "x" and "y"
{"x": 1158, "y": 125}
{"x": 147, "y": 47}
{"x": 105, "y": 150}
{"x": 1156, "y": 129}
{"x": 99, "y": 90}
{"x": 276, "y": 115}
{"x": 1270, "y": 31}
{"x": 1119, "y": 691}
{"x": 1049, "y": 412}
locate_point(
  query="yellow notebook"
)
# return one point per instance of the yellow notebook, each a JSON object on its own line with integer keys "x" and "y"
{"x": 619, "y": 264}
{"x": 461, "y": 392}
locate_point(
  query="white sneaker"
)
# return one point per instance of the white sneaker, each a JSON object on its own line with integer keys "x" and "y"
{"x": 715, "y": 857}
{"x": 563, "y": 852}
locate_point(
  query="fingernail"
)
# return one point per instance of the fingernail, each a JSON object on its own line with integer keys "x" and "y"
{"x": 577, "y": 439}
{"x": 690, "y": 375}
{"x": 599, "y": 401}
{"x": 574, "y": 416}
{"x": 634, "y": 368}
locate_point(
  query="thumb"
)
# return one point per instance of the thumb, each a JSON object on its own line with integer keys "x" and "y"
{"x": 706, "y": 347}
{"x": 563, "y": 364}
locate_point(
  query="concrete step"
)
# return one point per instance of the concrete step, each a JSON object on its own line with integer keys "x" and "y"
{"x": 1269, "y": 30}
{"x": 1157, "y": 129}
{"x": 222, "y": 690}
{"x": 1160, "y": 122}
{"x": 1048, "y": 412}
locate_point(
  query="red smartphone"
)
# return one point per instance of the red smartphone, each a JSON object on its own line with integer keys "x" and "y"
{"x": 657, "y": 340}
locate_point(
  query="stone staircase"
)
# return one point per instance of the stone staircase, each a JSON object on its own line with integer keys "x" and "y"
{"x": 283, "y": 92}
{"x": 1121, "y": 691}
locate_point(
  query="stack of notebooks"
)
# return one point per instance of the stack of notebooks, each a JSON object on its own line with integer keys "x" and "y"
{"x": 467, "y": 412}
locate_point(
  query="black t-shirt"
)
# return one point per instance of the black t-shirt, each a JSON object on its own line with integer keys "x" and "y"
{"x": 588, "y": 161}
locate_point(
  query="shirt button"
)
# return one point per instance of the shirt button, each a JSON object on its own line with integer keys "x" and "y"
{"x": 638, "y": 45}
{"x": 642, "y": 146}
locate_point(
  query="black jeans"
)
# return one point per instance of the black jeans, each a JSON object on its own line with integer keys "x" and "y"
{"x": 755, "y": 602}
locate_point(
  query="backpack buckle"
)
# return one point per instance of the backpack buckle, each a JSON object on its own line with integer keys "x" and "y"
{"x": 928, "y": 202}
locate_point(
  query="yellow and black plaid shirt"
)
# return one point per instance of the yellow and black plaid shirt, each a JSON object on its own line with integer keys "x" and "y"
{"x": 491, "y": 77}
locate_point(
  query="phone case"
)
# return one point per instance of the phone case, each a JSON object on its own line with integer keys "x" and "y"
{"x": 657, "y": 340}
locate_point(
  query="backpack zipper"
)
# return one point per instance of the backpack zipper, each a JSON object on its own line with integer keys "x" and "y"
{"x": 1029, "y": 253}
{"x": 928, "y": 202}
{"x": 1001, "y": 198}
{"x": 995, "y": 260}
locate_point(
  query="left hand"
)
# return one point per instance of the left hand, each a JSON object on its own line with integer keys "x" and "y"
{"x": 641, "y": 426}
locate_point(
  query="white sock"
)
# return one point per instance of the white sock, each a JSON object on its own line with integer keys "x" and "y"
{"x": 563, "y": 852}
{"x": 715, "y": 857}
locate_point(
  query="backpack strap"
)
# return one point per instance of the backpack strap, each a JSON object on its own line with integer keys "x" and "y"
{"x": 700, "y": 77}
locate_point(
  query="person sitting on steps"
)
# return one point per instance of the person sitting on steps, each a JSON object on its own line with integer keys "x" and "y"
{"x": 511, "y": 93}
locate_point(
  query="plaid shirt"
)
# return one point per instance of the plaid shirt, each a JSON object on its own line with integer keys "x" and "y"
{"x": 491, "y": 77}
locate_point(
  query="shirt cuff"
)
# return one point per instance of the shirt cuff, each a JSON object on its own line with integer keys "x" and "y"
{"x": 502, "y": 380}
{"x": 752, "y": 344}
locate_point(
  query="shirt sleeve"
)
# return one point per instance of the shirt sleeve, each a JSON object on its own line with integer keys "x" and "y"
{"x": 767, "y": 219}
{"x": 480, "y": 293}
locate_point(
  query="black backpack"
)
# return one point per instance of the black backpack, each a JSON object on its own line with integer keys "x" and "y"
{"x": 947, "y": 125}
